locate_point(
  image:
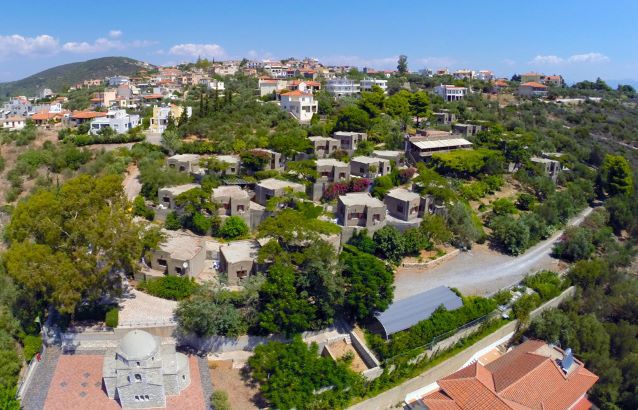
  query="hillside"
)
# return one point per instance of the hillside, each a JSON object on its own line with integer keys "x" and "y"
{"x": 57, "y": 78}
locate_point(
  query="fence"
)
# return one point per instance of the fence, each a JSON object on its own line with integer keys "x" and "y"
{"x": 23, "y": 384}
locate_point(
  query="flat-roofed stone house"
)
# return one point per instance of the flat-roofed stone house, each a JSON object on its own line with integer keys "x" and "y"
{"x": 369, "y": 167}
{"x": 180, "y": 254}
{"x": 238, "y": 260}
{"x": 329, "y": 171}
{"x": 324, "y": 147}
{"x": 359, "y": 210}
{"x": 271, "y": 187}
{"x": 188, "y": 163}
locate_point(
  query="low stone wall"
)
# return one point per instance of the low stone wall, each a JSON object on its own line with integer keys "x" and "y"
{"x": 366, "y": 354}
{"x": 221, "y": 344}
{"x": 428, "y": 264}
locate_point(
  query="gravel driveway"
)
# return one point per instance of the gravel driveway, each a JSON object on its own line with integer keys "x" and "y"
{"x": 481, "y": 271}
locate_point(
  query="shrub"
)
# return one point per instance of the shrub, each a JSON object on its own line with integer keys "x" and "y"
{"x": 219, "y": 400}
{"x": 112, "y": 317}
{"x": 524, "y": 306}
{"x": 334, "y": 190}
{"x": 503, "y": 206}
{"x": 546, "y": 283}
{"x": 170, "y": 287}
{"x": 172, "y": 222}
{"x": 31, "y": 345}
{"x": 362, "y": 241}
{"x": 502, "y": 297}
{"x": 406, "y": 174}
{"x": 359, "y": 184}
{"x": 233, "y": 227}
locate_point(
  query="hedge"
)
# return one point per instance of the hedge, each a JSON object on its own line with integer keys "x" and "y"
{"x": 112, "y": 317}
{"x": 170, "y": 287}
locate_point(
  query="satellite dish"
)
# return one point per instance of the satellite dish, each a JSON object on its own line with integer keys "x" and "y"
{"x": 185, "y": 264}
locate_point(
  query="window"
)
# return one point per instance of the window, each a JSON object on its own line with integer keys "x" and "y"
{"x": 147, "y": 397}
{"x": 240, "y": 209}
{"x": 138, "y": 364}
{"x": 241, "y": 274}
{"x": 178, "y": 270}
{"x": 138, "y": 377}
{"x": 162, "y": 262}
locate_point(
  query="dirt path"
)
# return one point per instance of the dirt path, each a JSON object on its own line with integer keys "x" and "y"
{"x": 131, "y": 182}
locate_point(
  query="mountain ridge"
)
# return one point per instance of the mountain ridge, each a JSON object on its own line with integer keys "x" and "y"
{"x": 60, "y": 77}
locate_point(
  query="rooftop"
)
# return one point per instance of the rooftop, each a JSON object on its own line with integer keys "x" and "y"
{"x": 360, "y": 198}
{"x": 529, "y": 376}
{"x": 441, "y": 143}
{"x": 274, "y": 184}
{"x": 229, "y": 159}
{"x": 240, "y": 251}
{"x": 533, "y": 84}
{"x": 180, "y": 189}
{"x": 406, "y": 313}
{"x": 325, "y": 162}
{"x": 180, "y": 245}
{"x": 232, "y": 191}
{"x": 185, "y": 157}
{"x": 320, "y": 138}
{"x": 403, "y": 194}
{"x": 366, "y": 160}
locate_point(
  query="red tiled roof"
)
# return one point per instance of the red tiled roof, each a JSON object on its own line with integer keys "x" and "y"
{"x": 528, "y": 377}
{"x": 85, "y": 115}
{"x": 296, "y": 93}
{"x": 501, "y": 83}
{"x": 533, "y": 84}
{"x": 153, "y": 96}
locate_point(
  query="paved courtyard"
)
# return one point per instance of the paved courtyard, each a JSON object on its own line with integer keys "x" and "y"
{"x": 77, "y": 384}
{"x": 141, "y": 309}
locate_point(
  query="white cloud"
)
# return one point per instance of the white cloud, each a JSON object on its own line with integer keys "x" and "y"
{"x": 588, "y": 58}
{"x": 46, "y": 45}
{"x": 574, "y": 59}
{"x": 545, "y": 60}
{"x": 99, "y": 45}
{"x": 197, "y": 50}
{"x": 28, "y": 46}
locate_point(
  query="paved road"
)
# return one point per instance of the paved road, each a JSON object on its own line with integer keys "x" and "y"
{"x": 480, "y": 271}
{"x": 131, "y": 182}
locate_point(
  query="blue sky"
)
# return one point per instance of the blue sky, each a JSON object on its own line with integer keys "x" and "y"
{"x": 579, "y": 39}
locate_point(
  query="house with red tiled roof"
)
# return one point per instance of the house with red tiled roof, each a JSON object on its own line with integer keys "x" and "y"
{"x": 299, "y": 104}
{"x": 534, "y": 375}
{"x": 532, "y": 89}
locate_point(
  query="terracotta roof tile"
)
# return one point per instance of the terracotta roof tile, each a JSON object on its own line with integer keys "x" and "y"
{"x": 533, "y": 84}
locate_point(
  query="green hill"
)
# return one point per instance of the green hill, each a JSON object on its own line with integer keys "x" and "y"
{"x": 60, "y": 77}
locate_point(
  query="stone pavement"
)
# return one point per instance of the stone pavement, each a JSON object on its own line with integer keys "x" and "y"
{"x": 36, "y": 393}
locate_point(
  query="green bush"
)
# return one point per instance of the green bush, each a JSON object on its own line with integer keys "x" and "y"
{"x": 170, "y": 287}
{"x": 233, "y": 227}
{"x": 546, "y": 283}
{"x": 219, "y": 400}
{"x": 31, "y": 345}
{"x": 112, "y": 317}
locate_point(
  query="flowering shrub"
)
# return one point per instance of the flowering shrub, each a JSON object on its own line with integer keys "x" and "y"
{"x": 360, "y": 184}
{"x": 335, "y": 189}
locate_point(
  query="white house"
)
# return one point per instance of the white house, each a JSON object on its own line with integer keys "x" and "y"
{"x": 301, "y": 105}
{"x": 14, "y": 123}
{"x": 342, "y": 87}
{"x": 368, "y": 83}
{"x": 451, "y": 92}
{"x": 119, "y": 120}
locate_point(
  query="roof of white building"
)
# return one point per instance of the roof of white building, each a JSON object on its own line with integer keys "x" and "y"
{"x": 229, "y": 159}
